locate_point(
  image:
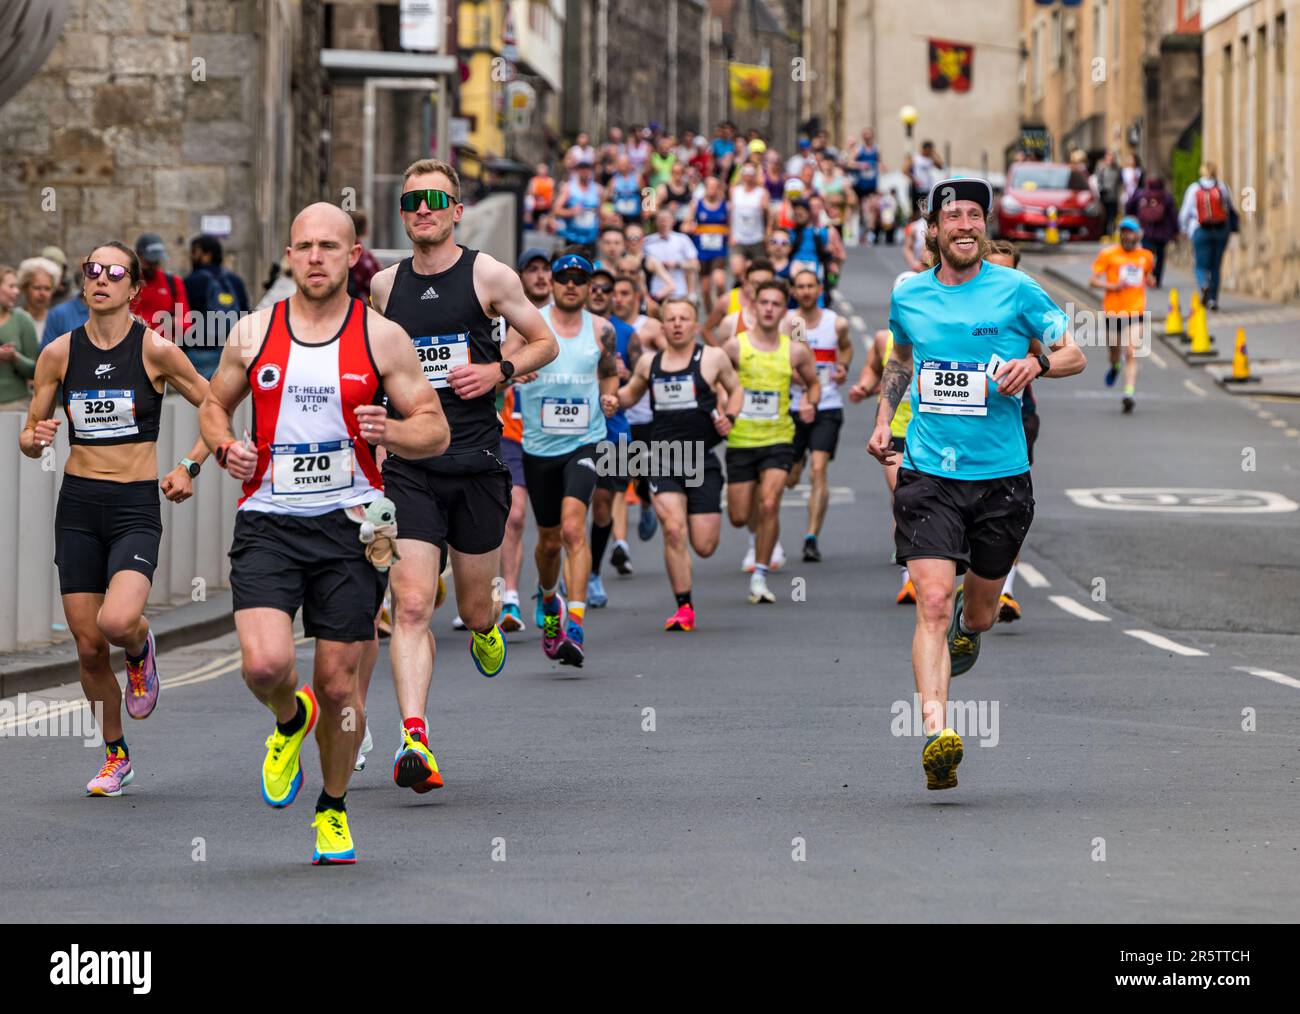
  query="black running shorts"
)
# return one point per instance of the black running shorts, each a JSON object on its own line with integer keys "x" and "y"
{"x": 554, "y": 477}
{"x": 317, "y": 564}
{"x": 745, "y": 464}
{"x": 822, "y": 434}
{"x": 705, "y": 498}
{"x": 979, "y": 523}
{"x": 466, "y": 512}
{"x": 102, "y": 527}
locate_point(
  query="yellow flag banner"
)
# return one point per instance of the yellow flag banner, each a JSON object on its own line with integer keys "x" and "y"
{"x": 751, "y": 86}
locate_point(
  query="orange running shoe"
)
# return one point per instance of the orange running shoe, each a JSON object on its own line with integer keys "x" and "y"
{"x": 1008, "y": 609}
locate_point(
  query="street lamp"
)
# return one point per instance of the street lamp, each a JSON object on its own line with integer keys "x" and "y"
{"x": 908, "y": 115}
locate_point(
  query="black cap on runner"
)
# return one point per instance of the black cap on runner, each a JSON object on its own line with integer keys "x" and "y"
{"x": 961, "y": 189}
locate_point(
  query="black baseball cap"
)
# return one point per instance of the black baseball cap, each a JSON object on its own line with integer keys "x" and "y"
{"x": 961, "y": 188}
{"x": 533, "y": 253}
{"x": 149, "y": 247}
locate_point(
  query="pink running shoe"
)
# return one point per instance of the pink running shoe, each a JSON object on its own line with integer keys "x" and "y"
{"x": 683, "y": 619}
{"x": 553, "y": 628}
{"x": 115, "y": 775}
{"x": 142, "y": 683}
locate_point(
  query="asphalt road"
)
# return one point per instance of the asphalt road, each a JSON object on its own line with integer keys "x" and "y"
{"x": 1113, "y": 780}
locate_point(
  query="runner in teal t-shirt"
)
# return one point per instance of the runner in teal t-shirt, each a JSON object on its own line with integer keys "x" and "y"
{"x": 968, "y": 338}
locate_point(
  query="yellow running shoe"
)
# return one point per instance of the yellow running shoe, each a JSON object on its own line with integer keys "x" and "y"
{"x": 488, "y": 651}
{"x": 441, "y": 595}
{"x": 1008, "y": 609}
{"x": 281, "y": 772}
{"x": 414, "y": 766}
{"x": 333, "y": 840}
{"x": 940, "y": 757}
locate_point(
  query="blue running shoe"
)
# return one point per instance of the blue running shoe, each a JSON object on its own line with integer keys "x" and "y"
{"x": 648, "y": 525}
{"x": 596, "y": 597}
{"x": 1112, "y": 372}
{"x": 539, "y": 613}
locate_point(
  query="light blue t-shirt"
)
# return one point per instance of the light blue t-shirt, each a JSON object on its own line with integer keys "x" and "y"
{"x": 961, "y": 427}
{"x": 561, "y": 408}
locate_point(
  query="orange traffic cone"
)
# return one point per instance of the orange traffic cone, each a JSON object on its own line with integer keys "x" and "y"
{"x": 1202, "y": 343}
{"x": 1240, "y": 362}
{"x": 1174, "y": 326}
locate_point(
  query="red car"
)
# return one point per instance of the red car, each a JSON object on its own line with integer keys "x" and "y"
{"x": 1040, "y": 195}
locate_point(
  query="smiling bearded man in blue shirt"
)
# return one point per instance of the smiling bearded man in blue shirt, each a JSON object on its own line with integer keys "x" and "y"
{"x": 968, "y": 337}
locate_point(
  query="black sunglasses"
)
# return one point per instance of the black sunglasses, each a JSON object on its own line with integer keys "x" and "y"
{"x": 572, "y": 277}
{"x": 435, "y": 199}
{"x": 604, "y": 288}
{"x": 93, "y": 269}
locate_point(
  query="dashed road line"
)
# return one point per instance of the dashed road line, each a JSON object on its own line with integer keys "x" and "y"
{"x": 1269, "y": 674}
{"x": 1156, "y": 641}
{"x": 858, "y": 323}
{"x": 1191, "y": 386}
{"x": 1032, "y": 575}
{"x": 1078, "y": 609}
{"x": 1156, "y": 358}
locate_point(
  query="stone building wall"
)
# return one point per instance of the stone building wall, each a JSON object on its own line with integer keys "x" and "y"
{"x": 121, "y": 132}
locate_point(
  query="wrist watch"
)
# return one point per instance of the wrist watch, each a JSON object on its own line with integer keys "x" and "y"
{"x": 220, "y": 453}
{"x": 1044, "y": 362}
{"x": 507, "y": 369}
{"x": 190, "y": 466}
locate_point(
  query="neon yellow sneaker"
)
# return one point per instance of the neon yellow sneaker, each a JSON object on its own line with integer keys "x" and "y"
{"x": 333, "y": 839}
{"x": 940, "y": 757}
{"x": 281, "y": 772}
{"x": 488, "y": 651}
{"x": 414, "y": 766}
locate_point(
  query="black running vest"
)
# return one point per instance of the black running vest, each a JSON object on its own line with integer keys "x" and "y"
{"x": 107, "y": 394}
{"x": 671, "y": 397}
{"x": 443, "y": 316}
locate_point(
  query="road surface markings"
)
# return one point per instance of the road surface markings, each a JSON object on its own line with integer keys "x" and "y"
{"x": 1155, "y": 358}
{"x": 208, "y": 671}
{"x": 1269, "y": 674}
{"x": 1292, "y": 433}
{"x": 1155, "y": 640}
{"x": 1033, "y": 577}
{"x": 1191, "y": 386}
{"x": 858, "y": 323}
{"x": 1078, "y": 609}
{"x": 1179, "y": 500}
{"x": 1264, "y": 414}
{"x": 1278, "y": 424}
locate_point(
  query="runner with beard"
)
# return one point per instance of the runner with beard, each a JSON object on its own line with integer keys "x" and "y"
{"x": 972, "y": 334}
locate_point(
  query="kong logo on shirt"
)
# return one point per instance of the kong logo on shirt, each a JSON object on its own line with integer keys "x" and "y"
{"x": 984, "y": 329}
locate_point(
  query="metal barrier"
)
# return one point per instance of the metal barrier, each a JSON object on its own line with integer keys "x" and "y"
{"x": 196, "y": 534}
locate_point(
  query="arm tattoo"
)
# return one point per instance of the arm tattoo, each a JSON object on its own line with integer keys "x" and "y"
{"x": 633, "y": 351}
{"x": 608, "y": 365}
{"x": 895, "y": 382}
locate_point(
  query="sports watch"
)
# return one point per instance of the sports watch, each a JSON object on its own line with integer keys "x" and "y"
{"x": 190, "y": 466}
{"x": 507, "y": 369}
{"x": 1044, "y": 362}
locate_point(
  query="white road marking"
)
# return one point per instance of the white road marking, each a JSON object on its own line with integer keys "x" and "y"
{"x": 1292, "y": 433}
{"x": 1191, "y": 386}
{"x": 1078, "y": 609}
{"x": 1155, "y": 640}
{"x": 1033, "y": 577}
{"x": 1179, "y": 500}
{"x": 1278, "y": 424}
{"x": 1264, "y": 414}
{"x": 210, "y": 670}
{"x": 858, "y": 323}
{"x": 1156, "y": 358}
{"x": 1269, "y": 674}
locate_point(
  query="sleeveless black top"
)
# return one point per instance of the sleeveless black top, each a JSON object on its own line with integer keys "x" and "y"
{"x": 683, "y": 403}
{"x": 442, "y": 314}
{"x": 107, "y": 394}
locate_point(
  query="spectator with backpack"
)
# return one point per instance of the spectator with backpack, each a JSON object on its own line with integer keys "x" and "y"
{"x": 162, "y": 302}
{"x": 1154, "y": 207}
{"x": 1209, "y": 219}
{"x": 218, "y": 298}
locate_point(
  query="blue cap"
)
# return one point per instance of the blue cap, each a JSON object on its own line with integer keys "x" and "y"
{"x": 1129, "y": 223}
{"x": 570, "y": 261}
{"x": 533, "y": 253}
